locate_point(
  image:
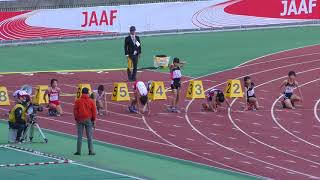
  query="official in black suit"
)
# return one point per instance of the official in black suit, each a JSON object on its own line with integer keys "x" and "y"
{"x": 132, "y": 49}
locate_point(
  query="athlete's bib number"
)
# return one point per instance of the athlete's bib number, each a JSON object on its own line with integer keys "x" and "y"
{"x": 54, "y": 97}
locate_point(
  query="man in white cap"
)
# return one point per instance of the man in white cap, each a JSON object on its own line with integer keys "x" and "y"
{"x": 18, "y": 114}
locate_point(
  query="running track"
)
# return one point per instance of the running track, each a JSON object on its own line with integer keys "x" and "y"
{"x": 270, "y": 143}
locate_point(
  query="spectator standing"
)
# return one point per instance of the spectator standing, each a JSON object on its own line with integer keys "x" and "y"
{"x": 85, "y": 115}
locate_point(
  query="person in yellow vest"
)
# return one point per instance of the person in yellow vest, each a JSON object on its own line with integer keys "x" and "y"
{"x": 18, "y": 114}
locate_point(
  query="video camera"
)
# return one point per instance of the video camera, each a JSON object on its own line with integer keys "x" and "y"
{"x": 32, "y": 110}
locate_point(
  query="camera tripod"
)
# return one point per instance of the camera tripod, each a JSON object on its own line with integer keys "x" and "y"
{"x": 29, "y": 131}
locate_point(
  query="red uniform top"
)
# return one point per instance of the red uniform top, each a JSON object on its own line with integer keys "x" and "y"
{"x": 54, "y": 95}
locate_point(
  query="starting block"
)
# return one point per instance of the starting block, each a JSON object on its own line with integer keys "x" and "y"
{"x": 80, "y": 87}
{"x": 40, "y": 91}
{"x": 157, "y": 91}
{"x": 233, "y": 89}
{"x": 120, "y": 92}
{"x": 195, "y": 90}
{"x": 4, "y": 97}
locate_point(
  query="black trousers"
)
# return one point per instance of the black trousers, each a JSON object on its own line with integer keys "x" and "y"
{"x": 20, "y": 127}
{"x": 132, "y": 75}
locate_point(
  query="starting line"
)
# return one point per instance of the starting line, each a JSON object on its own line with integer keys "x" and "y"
{"x": 59, "y": 160}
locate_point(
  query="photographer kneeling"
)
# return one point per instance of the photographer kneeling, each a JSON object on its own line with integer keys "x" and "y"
{"x": 18, "y": 114}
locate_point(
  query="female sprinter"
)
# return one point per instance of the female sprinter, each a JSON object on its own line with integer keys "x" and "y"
{"x": 53, "y": 92}
{"x": 250, "y": 96}
{"x": 289, "y": 97}
{"x": 215, "y": 98}
{"x": 175, "y": 72}
{"x": 140, "y": 100}
{"x": 100, "y": 98}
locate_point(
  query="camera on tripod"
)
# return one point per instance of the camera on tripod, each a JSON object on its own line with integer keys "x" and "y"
{"x": 32, "y": 123}
{"x": 32, "y": 111}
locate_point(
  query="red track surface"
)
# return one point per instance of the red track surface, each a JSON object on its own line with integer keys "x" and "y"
{"x": 272, "y": 142}
{"x": 14, "y": 28}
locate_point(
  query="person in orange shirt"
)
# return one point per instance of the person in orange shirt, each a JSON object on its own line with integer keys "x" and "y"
{"x": 85, "y": 113}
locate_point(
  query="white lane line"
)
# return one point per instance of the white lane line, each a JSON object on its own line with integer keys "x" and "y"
{"x": 229, "y": 114}
{"x": 270, "y": 157}
{"x": 295, "y": 141}
{"x": 315, "y": 135}
{"x": 267, "y": 167}
{"x": 234, "y": 129}
{"x": 257, "y": 124}
{"x": 299, "y": 114}
{"x": 275, "y": 137}
{"x": 189, "y": 122}
{"x": 274, "y": 60}
{"x": 245, "y": 162}
{"x": 198, "y": 121}
{"x": 120, "y": 114}
{"x": 290, "y": 161}
{"x": 77, "y": 164}
{"x": 214, "y": 134}
{"x": 210, "y": 143}
{"x": 252, "y": 142}
{"x": 180, "y": 117}
{"x": 248, "y": 63}
{"x": 315, "y": 112}
{"x": 314, "y": 155}
{"x": 255, "y": 133}
{"x": 216, "y": 124}
{"x": 226, "y": 167}
{"x": 158, "y": 122}
{"x": 313, "y": 166}
{"x": 113, "y": 122}
{"x": 283, "y": 128}
{"x": 227, "y": 158}
{"x": 291, "y": 150}
{"x": 297, "y": 122}
{"x": 27, "y": 74}
{"x": 172, "y": 135}
{"x": 102, "y": 130}
{"x": 206, "y": 154}
{"x": 298, "y": 132}
{"x": 190, "y": 139}
{"x": 233, "y": 138}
